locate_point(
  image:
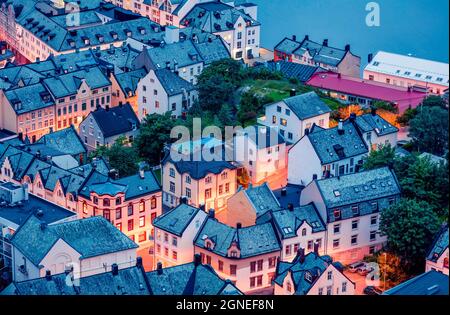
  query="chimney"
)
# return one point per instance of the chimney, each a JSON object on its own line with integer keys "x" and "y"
{"x": 290, "y": 207}
{"x": 347, "y": 47}
{"x": 352, "y": 117}
{"x": 202, "y": 207}
{"x": 43, "y": 226}
{"x": 340, "y": 127}
{"x": 183, "y": 200}
{"x": 142, "y": 173}
{"x": 339, "y": 76}
{"x": 293, "y": 92}
{"x": 20, "y": 136}
{"x": 239, "y": 225}
{"x": 38, "y": 154}
{"x": 314, "y": 176}
{"x": 316, "y": 248}
{"x": 211, "y": 213}
{"x": 294, "y": 38}
{"x": 197, "y": 260}
{"x": 306, "y": 37}
{"x": 306, "y": 131}
{"x": 373, "y": 111}
{"x": 369, "y": 58}
{"x": 325, "y": 42}
{"x": 283, "y": 191}
{"x": 301, "y": 255}
{"x": 107, "y": 108}
{"x": 48, "y": 275}
{"x": 115, "y": 269}
{"x": 159, "y": 269}
{"x": 139, "y": 261}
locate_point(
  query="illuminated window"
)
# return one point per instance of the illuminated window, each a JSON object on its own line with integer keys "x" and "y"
{"x": 142, "y": 206}
{"x": 141, "y": 221}
{"x": 153, "y": 203}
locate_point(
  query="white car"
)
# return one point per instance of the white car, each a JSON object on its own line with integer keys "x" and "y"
{"x": 355, "y": 266}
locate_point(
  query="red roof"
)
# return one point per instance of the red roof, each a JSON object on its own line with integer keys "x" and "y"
{"x": 368, "y": 89}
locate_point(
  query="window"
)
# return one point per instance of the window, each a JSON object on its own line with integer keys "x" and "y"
{"x": 279, "y": 109}
{"x": 208, "y": 193}
{"x": 288, "y": 250}
{"x": 220, "y": 263}
{"x": 374, "y": 206}
{"x": 303, "y": 232}
{"x": 320, "y": 291}
{"x": 373, "y": 235}
{"x": 188, "y": 193}
{"x": 336, "y": 243}
{"x": 174, "y": 241}
{"x": 337, "y": 228}
{"x": 141, "y": 206}
{"x": 290, "y": 136}
{"x": 119, "y": 226}
{"x": 391, "y": 201}
{"x": 141, "y": 221}
{"x": 172, "y": 172}
{"x": 172, "y": 187}
{"x": 233, "y": 269}
{"x": 344, "y": 287}
{"x": 260, "y": 265}
{"x": 337, "y": 214}
{"x": 142, "y": 237}
{"x": 310, "y": 245}
{"x": 118, "y": 214}
{"x": 153, "y": 203}
{"x": 272, "y": 262}
{"x": 373, "y": 220}
{"x": 274, "y": 119}
{"x": 208, "y": 180}
{"x": 130, "y": 225}
{"x": 252, "y": 266}
{"x": 354, "y": 239}
{"x": 188, "y": 179}
{"x": 130, "y": 209}
{"x": 106, "y": 214}
{"x": 252, "y": 282}
{"x": 355, "y": 210}
{"x": 106, "y": 202}
{"x": 283, "y": 122}
{"x": 174, "y": 255}
{"x": 372, "y": 250}
{"x": 355, "y": 224}
{"x": 85, "y": 208}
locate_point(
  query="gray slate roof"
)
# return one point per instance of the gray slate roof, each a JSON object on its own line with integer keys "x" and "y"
{"x": 440, "y": 244}
{"x": 128, "y": 81}
{"x": 307, "y": 105}
{"x": 292, "y": 70}
{"x": 369, "y": 122}
{"x": 90, "y": 237}
{"x": 287, "y": 222}
{"x": 252, "y": 241}
{"x": 172, "y": 83}
{"x": 128, "y": 281}
{"x": 313, "y": 264}
{"x": 30, "y": 98}
{"x": 176, "y": 220}
{"x": 262, "y": 199}
{"x": 189, "y": 279}
{"x": 330, "y": 146}
{"x": 429, "y": 283}
{"x": 358, "y": 187}
{"x": 65, "y": 140}
{"x": 116, "y": 120}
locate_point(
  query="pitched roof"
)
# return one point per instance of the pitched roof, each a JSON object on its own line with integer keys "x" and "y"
{"x": 368, "y": 89}
{"x": 313, "y": 264}
{"x": 29, "y": 98}
{"x": 90, "y": 237}
{"x": 409, "y": 67}
{"x": 357, "y": 188}
{"x": 128, "y": 281}
{"x": 292, "y": 70}
{"x": 262, "y": 199}
{"x": 128, "y": 81}
{"x": 116, "y": 120}
{"x": 440, "y": 244}
{"x": 66, "y": 140}
{"x": 287, "y": 222}
{"x": 263, "y": 136}
{"x": 287, "y": 46}
{"x": 374, "y": 122}
{"x": 429, "y": 283}
{"x": 172, "y": 83}
{"x": 252, "y": 241}
{"x": 176, "y": 220}
{"x": 307, "y": 105}
{"x": 190, "y": 279}
{"x": 330, "y": 146}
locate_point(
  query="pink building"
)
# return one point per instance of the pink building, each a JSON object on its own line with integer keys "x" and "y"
{"x": 407, "y": 71}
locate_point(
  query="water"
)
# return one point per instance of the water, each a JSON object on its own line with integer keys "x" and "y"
{"x": 417, "y": 27}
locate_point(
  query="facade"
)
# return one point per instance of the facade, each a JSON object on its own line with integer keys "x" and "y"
{"x": 88, "y": 246}
{"x": 350, "y": 206}
{"x": 262, "y": 151}
{"x": 203, "y": 183}
{"x": 104, "y": 126}
{"x": 238, "y": 254}
{"x": 348, "y": 90}
{"x": 308, "y": 52}
{"x": 237, "y": 26}
{"x": 407, "y": 71}
{"x": 437, "y": 257}
{"x": 247, "y": 205}
{"x": 16, "y": 205}
{"x": 294, "y": 115}
{"x": 175, "y": 232}
{"x": 6, "y": 55}
{"x": 326, "y": 152}
{"x": 312, "y": 274}
{"x": 375, "y": 131}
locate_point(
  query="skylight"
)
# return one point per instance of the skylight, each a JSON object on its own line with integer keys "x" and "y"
{"x": 337, "y": 193}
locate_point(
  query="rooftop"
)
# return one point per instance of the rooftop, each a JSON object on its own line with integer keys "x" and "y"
{"x": 262, "y": 199}
{"x": 176, "y": 220}
{"x": 429, "y": 283}
{"x": 440, "y": 244}
{"x": 307, "y": 105}
{"x": 368, "y": 89}
{"x": 116, "y": 120}
{"x": 374, "y": 122}
{"x": 90, "y": 237}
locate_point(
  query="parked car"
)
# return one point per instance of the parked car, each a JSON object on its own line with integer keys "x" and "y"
{"x": 371, "y": 290}
{"x": 364, "y": 270}
{"x": 354, "y": 267}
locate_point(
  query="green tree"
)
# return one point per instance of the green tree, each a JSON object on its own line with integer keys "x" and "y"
{"x": 384, "y": 156}
{"x": 154, "y": 133}
{"x": 390, "y": 107}
{"x": 249, "y": 108}
{"x": 228, "y": 69}
{"x": 120, "y": 157}
{"x": 429, "y": 130}
{"x": 214, "y": 92}
{"x": 434, "y": 100}
{"x": 410, "y": 227}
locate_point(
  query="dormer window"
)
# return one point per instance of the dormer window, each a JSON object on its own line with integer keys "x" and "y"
{"x": 100, "y": 38}
{"x": 113, "y": 35}
{"x": 233, "y": 254}
{"x": 141, "y": 30}
{"x": 308, "y": 276}
{"x": 128, "y": 32}
{"x": 337, "y": 214}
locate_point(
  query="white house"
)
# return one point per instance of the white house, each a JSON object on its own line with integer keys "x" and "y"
{"x": 262, "y": 151}
{"x": 322, "y": 153}
{"x": 437, "y": 258}
{"x": 162, "y": 91}
{"x": 175, "y": 232}
{"x": 350, "y": 206}
{"x": 296, "y": 114}
{"x": 87, "y": 247}
{"x": 312, "y": 274}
